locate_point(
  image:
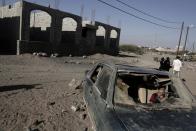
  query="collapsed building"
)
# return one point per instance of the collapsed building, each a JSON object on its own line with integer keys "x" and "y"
{"x": 27, "y": 27}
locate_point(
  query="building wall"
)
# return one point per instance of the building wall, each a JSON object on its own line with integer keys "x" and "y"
{"x": 69, "y": 24}
{"x": 60, "y": 32}
{"x": 10, "y": 10}
{"x": 9, "y": 34}
{"x": 43, "y": 20}
{"x": 40, "y": 19}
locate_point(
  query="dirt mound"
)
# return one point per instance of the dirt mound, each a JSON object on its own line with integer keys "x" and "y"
{"x": 37, "y": 93}
{"x": 100, "y": 56}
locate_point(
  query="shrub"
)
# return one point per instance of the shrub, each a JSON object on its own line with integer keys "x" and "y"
{"x": 132, "y": 48}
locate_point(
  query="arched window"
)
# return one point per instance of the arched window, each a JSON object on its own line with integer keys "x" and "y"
{"x": 100, "y": 31}
{"x": 113, "y": 34}
{"x": 69, "y": 24}
{"x": 40, "y": 18}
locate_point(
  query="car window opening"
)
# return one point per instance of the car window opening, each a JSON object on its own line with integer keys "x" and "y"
{"x": 103, "y": 81}
{"x": 96, "y": 73}
{"x": 144, "y": 89}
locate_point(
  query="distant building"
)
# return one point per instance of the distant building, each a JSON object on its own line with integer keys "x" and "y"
{"x": 161, "y": 49}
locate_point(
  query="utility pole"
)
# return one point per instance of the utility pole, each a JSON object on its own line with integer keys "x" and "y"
{"x": 33, "y": 19}
{"x": 184, "y": 48}
{"x": 182, "y": 27}
{"x": 193, "y": 50}
{"x": 119, "y": 24}
{"x": 93, "y": 17}
{"x": 108, "y": 20}
{"x": 82, "y": 12}
{"x": 187, "y": 32}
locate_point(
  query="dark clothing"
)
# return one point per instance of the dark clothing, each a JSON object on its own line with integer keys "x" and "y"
{"x": 167, "y": 65}
{"x": 161, "y": 65}
{"x": 154, "y": 98}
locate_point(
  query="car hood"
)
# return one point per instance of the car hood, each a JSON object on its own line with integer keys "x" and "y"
{"x": 157, "y": 120}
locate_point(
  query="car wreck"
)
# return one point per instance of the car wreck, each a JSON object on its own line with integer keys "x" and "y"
{"x": 120, "y": 97}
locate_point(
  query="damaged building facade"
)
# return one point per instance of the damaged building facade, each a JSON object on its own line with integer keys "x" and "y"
{"x": 26, "y": 28}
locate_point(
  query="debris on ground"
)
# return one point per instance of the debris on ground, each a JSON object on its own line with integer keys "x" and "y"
{"x": 75, "y": 108}
{"x": 82, "y": 107}
{"x": 35, "y": 53}
{"x": 86, "y": 129}
{"x": 54, "y": 55}
{"x": 41, "y": 54}
{"x": 37, "y": 125}
{"x": 84, "y": 56}
{"x": 77, "y": 62}
{"x": 38, "y": 122}
{"x": 51, "y": 103}
{"x": 83, "y": 116}
{"x": 75, "y": 84}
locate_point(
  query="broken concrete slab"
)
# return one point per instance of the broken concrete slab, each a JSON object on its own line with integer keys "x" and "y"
{"x": 75, "y": 84}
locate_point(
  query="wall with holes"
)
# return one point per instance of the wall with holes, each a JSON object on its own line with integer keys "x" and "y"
{"x": 10, "y": 10}
{"x": 41, "y": 28}
{"x": 9, "y": 34}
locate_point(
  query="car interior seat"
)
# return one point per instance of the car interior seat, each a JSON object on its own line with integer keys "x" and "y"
{"x": 121, "y": 96}
{"x": 144, "y": 95}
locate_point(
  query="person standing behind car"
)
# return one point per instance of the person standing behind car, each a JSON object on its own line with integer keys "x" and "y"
{"x": 167, "y": 64}
{"x": 161, "y": 67}
{"x": 177, "y": 64}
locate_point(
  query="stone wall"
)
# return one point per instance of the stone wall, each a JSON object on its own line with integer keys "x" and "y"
{"x": 43, "y": 20}
{"x": 40, "y": 19}
{"x": 60, "y": 32}
{"x": 10, "y": 10}
{"x": 9, "y": 34}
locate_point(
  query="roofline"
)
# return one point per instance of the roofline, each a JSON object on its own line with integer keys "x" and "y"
{"x": 136, "y": 69}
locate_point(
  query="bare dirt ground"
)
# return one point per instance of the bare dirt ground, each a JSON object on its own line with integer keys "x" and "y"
{"x": 35, "y": 92}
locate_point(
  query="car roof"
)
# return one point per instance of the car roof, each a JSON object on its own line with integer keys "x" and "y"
{"x": 122, "y": 68}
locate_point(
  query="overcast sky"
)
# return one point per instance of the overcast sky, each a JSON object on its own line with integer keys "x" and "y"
{"x": 135, "y": 31}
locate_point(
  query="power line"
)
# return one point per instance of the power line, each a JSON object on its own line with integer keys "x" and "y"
{"x": 148, "y": 21}
{"x": 93, "y": 16}
{"x": 157, "y": 18}
{"x": 82, "y": 11}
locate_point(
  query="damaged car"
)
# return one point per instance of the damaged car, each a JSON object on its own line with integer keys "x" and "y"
{"x": 125, "y": 98}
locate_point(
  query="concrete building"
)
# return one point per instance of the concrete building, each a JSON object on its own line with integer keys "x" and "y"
{"x": 27, "y": 28}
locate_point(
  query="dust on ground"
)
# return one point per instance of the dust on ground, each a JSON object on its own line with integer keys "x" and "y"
{"x": 38, "y": 93}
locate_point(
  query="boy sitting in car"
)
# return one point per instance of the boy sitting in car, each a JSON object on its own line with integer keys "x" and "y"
{"x": 159, "y": 96}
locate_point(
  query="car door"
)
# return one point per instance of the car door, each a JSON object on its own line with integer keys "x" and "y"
{"x": 90, "y": 92}
{"x": 103, "y": 83}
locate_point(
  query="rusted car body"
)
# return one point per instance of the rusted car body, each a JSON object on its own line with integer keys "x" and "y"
{"x": 114, "y": 109}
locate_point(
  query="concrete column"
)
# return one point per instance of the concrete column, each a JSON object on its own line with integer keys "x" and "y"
{"x": 25, "y": 24}
{"x": 24, "y": 31}
{"x": 117, "y": 43}
{"x": 78, "y": 38}
{"x": 107, "y": 40}
{"x": 55, "y": 32}
{"x": 92, "y": 40}
{"x": 22, "y": 47}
